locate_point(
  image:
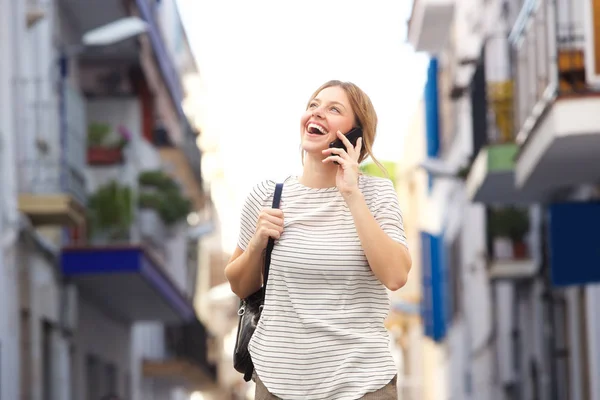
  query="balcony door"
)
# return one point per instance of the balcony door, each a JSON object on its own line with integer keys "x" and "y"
{"x": 592, "y": 42}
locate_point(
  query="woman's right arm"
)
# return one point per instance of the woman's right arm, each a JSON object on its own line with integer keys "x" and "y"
{"x": 245, "y": 268}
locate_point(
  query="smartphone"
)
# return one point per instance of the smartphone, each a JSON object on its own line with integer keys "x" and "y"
{"x": 352, "y": 136}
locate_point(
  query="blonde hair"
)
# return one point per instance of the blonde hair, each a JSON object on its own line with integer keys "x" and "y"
{"x": 364, "y": 113}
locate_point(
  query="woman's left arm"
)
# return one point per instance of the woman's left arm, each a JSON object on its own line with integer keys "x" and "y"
{"x": 389, "y": 259}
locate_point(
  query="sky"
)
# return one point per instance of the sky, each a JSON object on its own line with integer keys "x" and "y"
{"x": 260, "y": 61}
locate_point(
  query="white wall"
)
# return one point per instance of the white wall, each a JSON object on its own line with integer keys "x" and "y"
{"x": 149, "y": 343}
{"x": 11, "y": 27}
{"x": 592, "y": 299}
{"x": 44, "y": 307}
{"x": 177, "y": 257}
{"x": 104, "y": 338}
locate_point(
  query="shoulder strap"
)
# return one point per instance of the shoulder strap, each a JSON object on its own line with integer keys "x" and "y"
{"x": 271, "y": 243}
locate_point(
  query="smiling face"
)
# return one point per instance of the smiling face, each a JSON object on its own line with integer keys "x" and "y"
{"x": 330, "y": 111}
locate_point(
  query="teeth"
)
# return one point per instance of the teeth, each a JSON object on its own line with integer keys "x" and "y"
{"x": 319, "y": 127}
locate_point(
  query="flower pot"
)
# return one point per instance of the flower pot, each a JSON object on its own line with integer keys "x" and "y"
{"x": 519, "y": 250}
{"x": 104, "y": 155}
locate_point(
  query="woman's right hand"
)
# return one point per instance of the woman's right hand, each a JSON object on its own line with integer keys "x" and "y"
{"x": 269, "y": 224}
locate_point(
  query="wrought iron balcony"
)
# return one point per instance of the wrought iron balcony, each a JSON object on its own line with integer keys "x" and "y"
{"x": 50, "y": 152}
{"x": 186, "y": 357}
{"x": 555, "y": 49}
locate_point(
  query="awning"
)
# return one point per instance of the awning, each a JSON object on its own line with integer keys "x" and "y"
{"x": 127, "y": 283}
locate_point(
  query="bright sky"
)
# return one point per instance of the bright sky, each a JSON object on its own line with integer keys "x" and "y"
{"x": 260, "y": 61}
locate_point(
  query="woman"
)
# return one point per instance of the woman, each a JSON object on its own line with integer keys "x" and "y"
{"x": 339, "y": 244}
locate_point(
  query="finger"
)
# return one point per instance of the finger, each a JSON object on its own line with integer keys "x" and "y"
{"x": 344, "y": 139}
{"x": 272, "y": 219}
{"x": 336, "y": 151}
{"x": 276, "y": 212}
{"x": 271, "y": 227}
{"x": 359, "y": 146}
{"x": 337, "y": 159}
{"x": 273, "y": 233}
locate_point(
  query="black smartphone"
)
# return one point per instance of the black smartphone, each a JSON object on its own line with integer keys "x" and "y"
{"x": 352, "y": 136}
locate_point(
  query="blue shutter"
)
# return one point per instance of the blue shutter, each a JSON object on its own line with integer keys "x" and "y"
{"x": 574, "y": 242}
{"x": 434, "y": 301}
{"x": 432, "y": 120}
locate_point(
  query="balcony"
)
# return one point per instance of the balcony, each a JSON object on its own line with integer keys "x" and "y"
{"x": 509, "y": 247}
{"x": 429, "y": 24}
{"x": 184, "y": 162}
{"x": 556, "y": 50}
{"x": 51, "y": 149}
{"x": 186, "y": 358}
{"x": 127, "y": 282}
{"x": 79, "y": 17}
{"x": 491, "y": 178}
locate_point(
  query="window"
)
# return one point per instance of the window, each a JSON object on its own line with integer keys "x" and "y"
{"x": 26, "y": 356}
{"x": 455, "y": 277}
{"x": 111, "y": 379}
{"x": 47, "y": 360}
{"x": 92, "y": 377}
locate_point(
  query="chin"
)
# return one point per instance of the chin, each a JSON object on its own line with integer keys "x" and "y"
{"x": 314, "y": 148}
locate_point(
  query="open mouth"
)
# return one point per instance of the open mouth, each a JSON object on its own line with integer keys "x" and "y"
{"x": 315, "y": 129}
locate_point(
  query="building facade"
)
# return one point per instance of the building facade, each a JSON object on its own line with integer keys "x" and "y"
{"x": 509, "y": 285}
{"x": 103, "y": 205}
{"x": 421, "y": 359}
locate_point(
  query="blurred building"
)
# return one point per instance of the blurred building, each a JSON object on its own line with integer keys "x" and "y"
{"x": 420, "y": 358}
{"x": 510, "y": 283}
{"x": 103, "y": 204}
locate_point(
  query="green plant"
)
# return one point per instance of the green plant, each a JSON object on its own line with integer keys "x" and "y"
{"x": 97, "y": 133}
{"x": 157, "y": 179}
{"x": 165, "y": 198}
{"x": 511, "y": 222}
{"x": 110, "y": 211}
{"x": 373, "y": 169}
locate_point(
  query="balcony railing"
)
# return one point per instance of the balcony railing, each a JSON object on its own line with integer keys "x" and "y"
{"x": 549, "y": 46}
{"x": 51, "y": 140}
{"x": 190, "y": 342}
{"x": 508, "y": 233}
{"x": 193, "y": 155}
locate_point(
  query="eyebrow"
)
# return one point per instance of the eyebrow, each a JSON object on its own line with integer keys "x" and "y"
{"x": 331, "y": 103}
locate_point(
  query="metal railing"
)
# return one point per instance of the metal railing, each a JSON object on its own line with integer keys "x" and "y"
{"x": 51, "y": 141}
{"x": 448, "y": 100}
{"x": 548, "y": 49}
{"x": 190, "y": 342}
{"x": 192, "y": 154}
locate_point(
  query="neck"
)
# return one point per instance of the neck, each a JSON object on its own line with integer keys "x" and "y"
{"x": 317, "y": 175}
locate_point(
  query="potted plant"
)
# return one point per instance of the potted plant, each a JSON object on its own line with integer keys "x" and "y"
{"x": 110, "y": 212}
{"x": 159, "y": 192}
{"x": 512, "y": 224}
{"x": 104, "y": 150}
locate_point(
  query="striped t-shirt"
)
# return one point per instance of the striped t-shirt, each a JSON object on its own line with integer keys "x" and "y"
{"x": 321, "y": 334}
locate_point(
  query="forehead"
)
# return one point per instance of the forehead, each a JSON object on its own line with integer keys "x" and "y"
{"x": 333, "y": 93}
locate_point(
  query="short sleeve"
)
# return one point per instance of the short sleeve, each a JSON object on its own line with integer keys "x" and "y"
{"x": 386, "y": 210}
{"x": 260, "y": 196}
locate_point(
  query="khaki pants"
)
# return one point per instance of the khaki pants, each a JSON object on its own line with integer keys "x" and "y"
{"x": 388, "y": 392}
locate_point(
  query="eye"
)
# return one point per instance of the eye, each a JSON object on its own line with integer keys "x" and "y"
{"x": 335, "y": 109}
{"x": 312, "y": 105}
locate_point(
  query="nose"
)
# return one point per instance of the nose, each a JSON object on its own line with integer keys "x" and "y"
{"x": 317, "y": 112}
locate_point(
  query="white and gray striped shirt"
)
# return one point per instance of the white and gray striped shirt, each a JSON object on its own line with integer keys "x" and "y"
{"x": 321, "y": 334}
